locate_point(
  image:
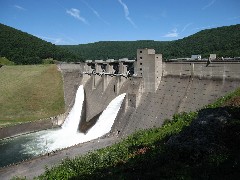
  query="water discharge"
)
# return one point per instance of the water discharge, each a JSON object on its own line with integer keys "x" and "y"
{"x": 68, "y": 135}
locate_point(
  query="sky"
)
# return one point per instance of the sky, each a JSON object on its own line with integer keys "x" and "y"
{"x": 71, "y": 22}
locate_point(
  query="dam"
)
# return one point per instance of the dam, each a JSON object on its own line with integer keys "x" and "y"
{"x": 155, "y": 90}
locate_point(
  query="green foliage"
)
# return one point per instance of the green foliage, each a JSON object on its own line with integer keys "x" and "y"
{"x": 19, "y": 178}
{"x": 48, "y": 61}
{"x": 5, "y": 61}
{"x": 114, "y": 49}
{"x": 23, "y": 48}
{"x": 220, "y": 41}
{"x": 223, "y": 41}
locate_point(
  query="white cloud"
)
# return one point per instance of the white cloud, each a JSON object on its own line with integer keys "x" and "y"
{"x": 59, "y": 40}
{"x": 209, "y": 4}
{"x": 51, "y": 39}
{"x": 204, "y": 27}
{"x": 126, "y": 12}
{"x": 172, "y": 34}
{"x": 19, "y": 7}
{"x": 76, "y": 14}
{"x": 186, "y": 26}
{"x": 95, "y": 12}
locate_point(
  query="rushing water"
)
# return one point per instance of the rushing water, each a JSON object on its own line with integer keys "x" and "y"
{"x": 26, "y": 146}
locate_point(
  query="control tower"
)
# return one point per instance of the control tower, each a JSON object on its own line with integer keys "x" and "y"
{"x": 149, "y": 67}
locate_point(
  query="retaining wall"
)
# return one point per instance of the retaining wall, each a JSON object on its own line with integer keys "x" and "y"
{"x": 32, "y": 126}
{"x": 223, "y": 70}
{"x": 72, "y": 78}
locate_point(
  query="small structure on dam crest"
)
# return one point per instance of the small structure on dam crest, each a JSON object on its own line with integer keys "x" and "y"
{"x": 149, "y": 66}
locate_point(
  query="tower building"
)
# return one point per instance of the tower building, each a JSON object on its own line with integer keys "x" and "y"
{"x": 149, "y": 67}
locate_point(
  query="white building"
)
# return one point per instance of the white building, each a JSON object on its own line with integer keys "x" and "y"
{"x": 213, "y": 56}
{"x": 196, "y": 57}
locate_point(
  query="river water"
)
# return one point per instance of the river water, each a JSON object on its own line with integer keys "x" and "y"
{"x": 22, "y": 147}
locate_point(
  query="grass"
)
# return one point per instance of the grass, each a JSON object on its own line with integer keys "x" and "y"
{"x": 146, "y": 155}
{"x": 30, "y": 93}
{"x": 5, "y": 61}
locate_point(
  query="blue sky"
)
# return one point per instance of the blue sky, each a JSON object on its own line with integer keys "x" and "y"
{"x": 86, "y": 21}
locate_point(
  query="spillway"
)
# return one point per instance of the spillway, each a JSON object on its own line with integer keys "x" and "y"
{"x": 26, "y": 146}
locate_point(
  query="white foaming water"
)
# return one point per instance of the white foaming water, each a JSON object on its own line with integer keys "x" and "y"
{"x": 68, "y": 135}
{"x": 72, "y": 121}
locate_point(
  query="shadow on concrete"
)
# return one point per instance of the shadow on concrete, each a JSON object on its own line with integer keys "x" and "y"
{"x": 84, "y": 126}
{"x": 212, "y": 66}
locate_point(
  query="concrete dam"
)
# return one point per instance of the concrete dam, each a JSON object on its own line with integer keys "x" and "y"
{"x": 155, "y": 91}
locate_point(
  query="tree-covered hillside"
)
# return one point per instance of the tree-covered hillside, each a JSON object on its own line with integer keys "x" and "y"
{"x": 115, "y": 49}
{"x": 23, "y": 48}
{"x": 224, "y": 41}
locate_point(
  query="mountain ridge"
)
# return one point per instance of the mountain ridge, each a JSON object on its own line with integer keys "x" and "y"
{"x": 23, "y": 48}
{"x": 223, "y": 41}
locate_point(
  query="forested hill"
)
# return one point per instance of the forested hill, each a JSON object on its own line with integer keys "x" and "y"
{"x": 23, "y": 48}
{"x": 224, "y": 41}
{"x": 115, "y": 49}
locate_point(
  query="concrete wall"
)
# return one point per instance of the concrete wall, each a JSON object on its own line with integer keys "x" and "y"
{"x": 149, "y": 66}
{"x": 32, "y": 126}
{"x": 97, "y": 98}
{"x": 223, "y": 70}
{"x": 173, "y": 95}
{"x": 183, "y": 87}
{"x": 72, "y": 78}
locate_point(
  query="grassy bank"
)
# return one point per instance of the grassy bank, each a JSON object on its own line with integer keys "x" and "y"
{"x": 29, "y": 93}
{"x": 5, "y": 61}
{"x": 195, "y": 145}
